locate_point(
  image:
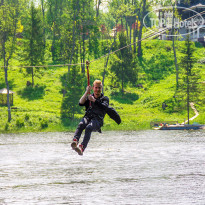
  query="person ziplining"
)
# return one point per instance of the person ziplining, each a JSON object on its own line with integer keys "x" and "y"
{"x": 96, "y": 106}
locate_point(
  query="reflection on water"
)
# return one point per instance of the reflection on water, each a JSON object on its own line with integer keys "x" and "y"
{"x": 142, "y": 168}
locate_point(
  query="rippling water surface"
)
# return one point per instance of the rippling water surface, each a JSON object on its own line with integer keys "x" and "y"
{"x": 142, "y": 168}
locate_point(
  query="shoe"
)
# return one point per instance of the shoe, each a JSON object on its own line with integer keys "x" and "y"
{"x": 74, "y": 143}
{"x": 79, "y": 149}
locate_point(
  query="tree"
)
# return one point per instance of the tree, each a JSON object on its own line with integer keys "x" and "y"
{"x": 174, "y": 49}
{"x": 141, "y": 16}
{"x": 98, "y": 2}
{"x": 34, "y": 33}
{"x": 136, "y": 25}
{"x": 125, "y": 12}
{"x": 54, "y": 15}
{"x": 173, "y": 31}
{"x": 9, "y": 13}
{"x": 124, "y": 64}
{"x": 68, "y": 34}
{"x": 89, "y": 30}
{"x": 189, "y": 83}
{"x": 74, "y": 88}
{"x": 43, "y": 13}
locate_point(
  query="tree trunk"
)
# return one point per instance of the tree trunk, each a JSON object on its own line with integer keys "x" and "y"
{"x": 139, "y": 50}
{"x": 74, "y": 39}
{"x": 7, "y": 87}
{"x": 104, "y": 72}
{"x": 176, "y": 64}
{"x": 135, "y": 35}
{"x": 122, "y": 23}
{"x": 32, "y": 71}
{"x": 115, "y": 34}
{"x": 83, "y": 66}
{"x": 188, "y": 96}
{"x": 9, "y": 54}
{"x": 122, "y": 79}
{"x": 73, "y": 46}
{"x": 130, "y": 36}
{"x": 43, "y": 12}
{"x": 126, "y": 28}
{"x": 81, "y": 60}
{"x": 6, "y": 76}
{"x": 98, "y": 7}
{"x": 175, "y": 56}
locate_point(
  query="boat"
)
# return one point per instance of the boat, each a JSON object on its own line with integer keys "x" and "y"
{"x": 174, "y": 125}
{"x": 180, "y": 127}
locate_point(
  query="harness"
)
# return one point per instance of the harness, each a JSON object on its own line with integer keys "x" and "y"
{"x": 90, "y": 112}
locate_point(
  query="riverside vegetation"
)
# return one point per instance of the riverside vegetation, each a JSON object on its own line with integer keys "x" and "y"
{"x": 43, "y": 107}
{"x": 138, "y": 79}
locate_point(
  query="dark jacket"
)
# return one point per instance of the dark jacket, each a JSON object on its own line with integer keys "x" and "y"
{"x": 97, "y": 109}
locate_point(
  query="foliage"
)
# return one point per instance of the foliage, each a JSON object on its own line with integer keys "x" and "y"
{"x": 34, "y": 47}
{"x": 32, "y": 93}
{"x": 74, "y": 87}
{"x": 44, "y": 123}
{"x": 189, "y": 77}
{"x": 124, "y": 66}
{"x": 94, "y": 43}
{"x": 9, "y": 15}
{"x": 72, "y": 32}
{"x": 19, "y": 27}
{"x": 19, "y": 123}
{"x": 54, "y": 24}
{"x": 137, "y": 107}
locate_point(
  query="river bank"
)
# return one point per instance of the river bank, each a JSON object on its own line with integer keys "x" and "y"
{"x": 39, "y": 108}
{"x": 72, "y": 128}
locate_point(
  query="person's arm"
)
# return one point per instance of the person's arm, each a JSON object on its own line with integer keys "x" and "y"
{"x": 84, "y": 97}
{"x": 104, "y": 104}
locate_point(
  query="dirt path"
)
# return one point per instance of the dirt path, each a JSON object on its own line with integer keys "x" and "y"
{"x": 196, "y": 113}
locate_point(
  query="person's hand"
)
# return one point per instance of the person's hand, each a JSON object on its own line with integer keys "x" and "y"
{"x": 88, "y": 89}
{"x": 91, "y": 98}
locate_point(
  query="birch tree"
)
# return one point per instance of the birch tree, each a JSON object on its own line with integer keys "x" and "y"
{"x": 9, "y": 13}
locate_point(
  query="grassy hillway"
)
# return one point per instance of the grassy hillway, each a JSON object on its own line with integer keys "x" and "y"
{"x": 39, "y": 108}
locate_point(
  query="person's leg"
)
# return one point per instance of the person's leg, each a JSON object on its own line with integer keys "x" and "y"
{"x": 81, "y": 126}
{"x": 94, "y": 125}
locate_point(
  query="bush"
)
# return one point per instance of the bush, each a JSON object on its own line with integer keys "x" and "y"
{"x": 19, "y": 123}
{"x": 26, "y": 117}
{"x": 44, "y": 123}
{"x": 6, "y": 128}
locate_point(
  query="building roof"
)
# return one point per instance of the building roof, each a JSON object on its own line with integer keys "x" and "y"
{"x": 185, "y": 3}
{"x": 197, "y": 6}
{"x": 4, "y": 91}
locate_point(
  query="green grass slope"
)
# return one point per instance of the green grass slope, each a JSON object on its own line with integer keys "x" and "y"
{"x": 39, "y": 108}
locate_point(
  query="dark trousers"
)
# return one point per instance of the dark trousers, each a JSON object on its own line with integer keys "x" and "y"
{"x": 89, "y": 125}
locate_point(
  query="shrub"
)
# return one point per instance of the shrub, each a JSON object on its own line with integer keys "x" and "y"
{"x": 44, "y": 123}
{"x": 26, "y": 117}
{"x": 19, "y": 123}
{"x": 6, "y": 128}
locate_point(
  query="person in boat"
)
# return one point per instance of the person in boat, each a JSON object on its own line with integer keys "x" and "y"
{"x": 96, "y": 106}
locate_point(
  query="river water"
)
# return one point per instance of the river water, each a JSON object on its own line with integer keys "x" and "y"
{"x": 141, "y": 168}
